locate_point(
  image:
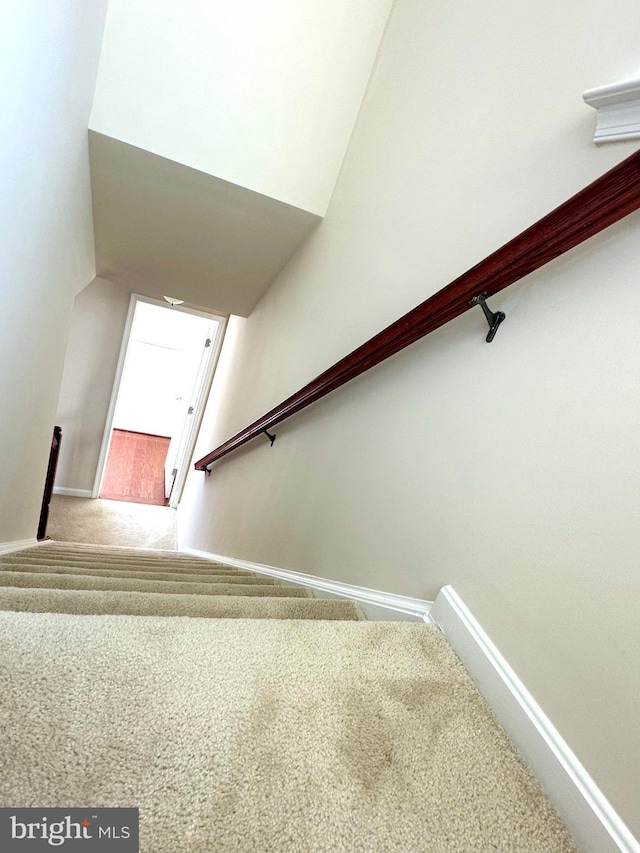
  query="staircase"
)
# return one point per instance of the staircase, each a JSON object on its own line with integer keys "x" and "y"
{"x": 272, "y": 723}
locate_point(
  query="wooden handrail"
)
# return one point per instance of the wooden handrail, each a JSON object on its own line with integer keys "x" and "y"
{"x": 600, "y": 204}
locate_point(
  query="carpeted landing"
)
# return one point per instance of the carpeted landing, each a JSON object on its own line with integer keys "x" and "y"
{"x": 276, "y": 724}
{"x": 107, "y": 522}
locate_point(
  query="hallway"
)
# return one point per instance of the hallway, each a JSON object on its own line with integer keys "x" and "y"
{"x": 135, "y": 468}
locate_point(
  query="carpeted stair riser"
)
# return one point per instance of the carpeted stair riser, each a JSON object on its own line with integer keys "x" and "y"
{"x": 158, "y": 565}
{"x": 116, "y": 553}
{"x": 79, "y": 547}
{"x": 117, "y": 556}
{"x": 132, "y": 565}
{"x": 112, "y": 553}
{"x": 146, "y": 557}
{"x": 174, "y": 556}
{"x": 96, "y": 602}
{"x": 148, "y": 575}
{"x": 46, "y": 581}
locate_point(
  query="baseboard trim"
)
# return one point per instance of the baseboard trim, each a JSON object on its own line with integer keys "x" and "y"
{"x": 591, "y": 819}
{"x": 411, "y": 607}
{"x": 72, "y": 493}
{"x": 19, "y": 545}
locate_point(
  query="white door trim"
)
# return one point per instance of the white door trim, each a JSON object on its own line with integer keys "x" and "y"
{"x": 197, "y": 415}
{"x": 108, "y": 426}
{"x": 199, "y": 405}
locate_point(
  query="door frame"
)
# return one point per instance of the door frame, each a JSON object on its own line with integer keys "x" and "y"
{"x": 202, "y": 397}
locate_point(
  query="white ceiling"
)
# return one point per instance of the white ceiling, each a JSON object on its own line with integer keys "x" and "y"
{"x": 164, "y": 228}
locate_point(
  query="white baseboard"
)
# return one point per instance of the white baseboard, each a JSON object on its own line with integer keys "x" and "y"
{"x": 373, "y": 601}
{"x": 72, "y": 493}
{"x": 594, "y": 824}
{"x": 20, "y": 545}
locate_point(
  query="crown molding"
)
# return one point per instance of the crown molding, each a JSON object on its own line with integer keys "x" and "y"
{"x": 618, "y": 108}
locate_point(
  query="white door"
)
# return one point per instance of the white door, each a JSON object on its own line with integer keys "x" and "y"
{"x": 167, "y": 360}
{"x": 183, "y": 437}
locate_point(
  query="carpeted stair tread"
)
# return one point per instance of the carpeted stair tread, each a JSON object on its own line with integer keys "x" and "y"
{"x": 178, "y": 559}
{"x": 60, "y": 559}
{"x": 131, "y": 565}
{"x": 30, "y": 558}
{"x": 83, "y": 601}
{"x": 116, "y": 553}
{"x": 173, "y": 556}
{"x": 47, "y": 581}
{"x": 107, "y": 549}
{"x": 147, "y": 561}
{"x": 112, "y": 552}
{"x": 287, "y": 736}
{"x": 61, "y": 545}
{"x": 181, "y": 577}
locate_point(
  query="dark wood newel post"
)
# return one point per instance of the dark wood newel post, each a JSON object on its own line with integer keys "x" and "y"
{"x": 48, "y": 486}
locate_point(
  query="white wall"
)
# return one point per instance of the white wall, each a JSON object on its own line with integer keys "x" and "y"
{"x": 509, "y": 470}
{"x": 97, "y": 326}
{"x": 263, "y": 95}
{"x": 48, "y": 63}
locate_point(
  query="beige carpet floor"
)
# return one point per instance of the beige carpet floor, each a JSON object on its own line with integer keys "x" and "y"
{"x": 44, "y": 581}
{"x": 145, "y": 574}
{"x": 103, "y": 522}
{"x": 248, "y": 736}
{"x": 82, "y": 601}
{"x": 295, "y": 726}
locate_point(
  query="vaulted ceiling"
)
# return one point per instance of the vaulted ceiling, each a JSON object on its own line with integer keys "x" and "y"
{"x": 216, "y": 137}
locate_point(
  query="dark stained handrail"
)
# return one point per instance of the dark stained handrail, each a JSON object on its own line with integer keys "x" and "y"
{"x": 600, "y": 204}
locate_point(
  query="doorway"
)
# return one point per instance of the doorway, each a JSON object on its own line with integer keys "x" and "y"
{"x": 167, "y": 361}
